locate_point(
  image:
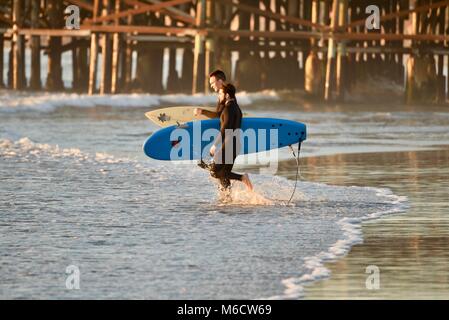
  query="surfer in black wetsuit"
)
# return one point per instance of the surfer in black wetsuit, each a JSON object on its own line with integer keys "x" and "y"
{"x": 226, "y": 146}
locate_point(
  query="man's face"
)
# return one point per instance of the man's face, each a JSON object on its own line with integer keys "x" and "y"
{"x": 215, "y": 84}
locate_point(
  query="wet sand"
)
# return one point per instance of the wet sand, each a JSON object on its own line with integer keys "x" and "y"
{"x": 411, "y": 249}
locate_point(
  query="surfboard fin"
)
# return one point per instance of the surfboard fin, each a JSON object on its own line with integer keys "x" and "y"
{"x": 181, "y": 125}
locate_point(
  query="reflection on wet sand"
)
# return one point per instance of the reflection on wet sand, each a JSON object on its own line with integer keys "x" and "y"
{"x": 411, "y": 249}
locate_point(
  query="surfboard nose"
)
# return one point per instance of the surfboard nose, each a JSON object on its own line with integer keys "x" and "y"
{"x": 152, "y": 147}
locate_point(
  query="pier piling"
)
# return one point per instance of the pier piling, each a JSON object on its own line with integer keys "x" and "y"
{"x": 320, "y": 46}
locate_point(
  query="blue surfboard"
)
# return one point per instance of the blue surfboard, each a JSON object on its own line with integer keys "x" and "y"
{"x": 192, "y": 140}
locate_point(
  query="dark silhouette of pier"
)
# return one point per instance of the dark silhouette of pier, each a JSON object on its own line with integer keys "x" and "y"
{"x": 321, "y": 46}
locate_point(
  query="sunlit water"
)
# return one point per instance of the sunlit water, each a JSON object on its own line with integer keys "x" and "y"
{"x": 77, "y": 190}
{"x": 410, "y": 250}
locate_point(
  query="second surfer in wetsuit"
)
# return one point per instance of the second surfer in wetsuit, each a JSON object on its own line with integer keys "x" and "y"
{"x": 228, "y": 141}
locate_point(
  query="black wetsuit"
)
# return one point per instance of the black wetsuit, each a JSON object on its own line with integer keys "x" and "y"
{"x": 230, "y": 118}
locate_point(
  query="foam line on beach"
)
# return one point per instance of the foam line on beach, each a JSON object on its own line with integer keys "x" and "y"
{"x": 352, "y": 235}
{"x": 25, "y": 147}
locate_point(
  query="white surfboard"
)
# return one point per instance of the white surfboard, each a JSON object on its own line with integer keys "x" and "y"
{"x": 176, "y": 115}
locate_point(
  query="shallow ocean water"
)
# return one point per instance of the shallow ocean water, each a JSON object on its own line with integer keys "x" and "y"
{"x": 77, "y": 190}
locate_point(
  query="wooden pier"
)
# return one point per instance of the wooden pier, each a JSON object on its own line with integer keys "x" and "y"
{"x": 321, "y": 46}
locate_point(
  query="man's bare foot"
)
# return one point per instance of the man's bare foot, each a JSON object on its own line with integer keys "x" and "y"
{"x": 247, "y": 182}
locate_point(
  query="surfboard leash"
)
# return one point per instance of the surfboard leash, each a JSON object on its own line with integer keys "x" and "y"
{"x": 297, "y": 169}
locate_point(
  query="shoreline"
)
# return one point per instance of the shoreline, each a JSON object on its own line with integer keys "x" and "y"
{"x": 385, "y": 238}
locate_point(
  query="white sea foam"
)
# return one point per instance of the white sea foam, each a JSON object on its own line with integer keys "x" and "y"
{"x": 25, "y": 147}
{"x": 352, "y": 235}
{"x": 48, "y": 102}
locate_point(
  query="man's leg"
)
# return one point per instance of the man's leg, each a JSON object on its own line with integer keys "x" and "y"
{"x": 235, "y": 176}
{"x": 227, "y": 172}
{"x": 224, "y": 173}
{"x": 225, "y": 184}
{"x": 247, "y": 182}
{"x": 225, "y": 190}
{"x": 204, "y": 165}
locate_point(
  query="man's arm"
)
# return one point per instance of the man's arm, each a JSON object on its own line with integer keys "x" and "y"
{"x": 207, "y": 113}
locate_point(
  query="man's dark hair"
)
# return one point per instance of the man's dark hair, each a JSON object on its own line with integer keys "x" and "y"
{"x": 218, "y": 74}
{"x": 229, "y": 89}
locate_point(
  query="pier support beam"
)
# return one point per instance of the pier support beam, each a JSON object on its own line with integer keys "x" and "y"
{"x": 173, "y": 84}
{"x": 331, "y": 53}
{"x": 313, "y": 66}
{"x": 209, "y": 45}
{"x": 441, "y": 76}
{"x": 187, "y": 71}
{"x": 315, "y": 18}
{"x": 75, "y": 67}
{"x": 10, "y": 79}
{"x": 56, "y": 19}
{"x": 93, "y": 54}
{"x": 17, "y": 46}
{"x": 198, "y": 52}
{"x": 35, "y": 44}
{"x": 2, "y": 43}
{"x": 150, "y": 59}
{"x": 185, "y": 83}
{"x": 341, "y": 53}
{"x": 249, "y": 59}
{"x": 93, "y": 59}
{"x": 115, "y": 53}
{"x": 105, "y": 82}
{"x": 313, "y": 82}
{"x": 221, "y": 53}
{"x": 173, "y": 78}
{"x": 127, "y": 62}
{"x": 209, "y": 62}
{"x": 82, "y": 68}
